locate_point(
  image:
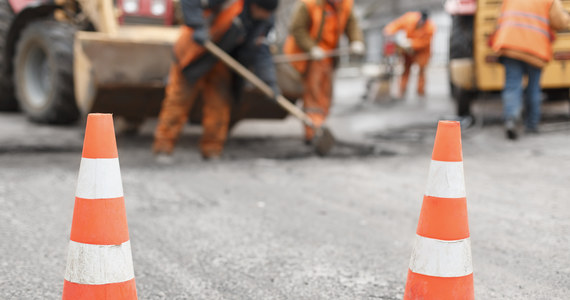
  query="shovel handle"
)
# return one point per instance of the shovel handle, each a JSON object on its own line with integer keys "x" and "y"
{"x": 264, "y": 87}
{"x": 289, "y": 58}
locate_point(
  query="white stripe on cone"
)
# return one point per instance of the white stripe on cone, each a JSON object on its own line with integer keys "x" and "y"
{"x": 99, "y": 178}
{"x": 441, "y": 258}
{"x": 99, "y": 264}
{"x": 445, "y": 180}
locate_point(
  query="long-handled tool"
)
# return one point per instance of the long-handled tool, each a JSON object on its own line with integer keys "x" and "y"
{"x": 288, "y": 58}
{"x": 323, "y": 139}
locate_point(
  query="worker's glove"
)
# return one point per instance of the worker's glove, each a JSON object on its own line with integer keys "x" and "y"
{"x": 407, "y": 46}
{"x": 201, "y": 35}
{"x": 357, "y": 48}
{"x": 404, "y": 43}
{"x": 317, "y": 53}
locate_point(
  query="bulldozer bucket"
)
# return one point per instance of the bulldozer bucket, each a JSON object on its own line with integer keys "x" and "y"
{"x": 123, "y": 73}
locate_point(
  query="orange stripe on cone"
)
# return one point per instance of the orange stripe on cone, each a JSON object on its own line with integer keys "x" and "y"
{"x": 99, "y": 262}
{"x": 440, "y": 266}
{"x": 438, "y": 288}
{"x": 443, "y": 218}
{"x": 447, "y": 145}
{"x": 99, "y": 221}
{"x": 100, "y": 137}
{"x": 116, "y": 291}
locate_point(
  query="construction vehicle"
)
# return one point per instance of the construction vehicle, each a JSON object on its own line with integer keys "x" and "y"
{"x": 474, "y": 69}
{"x": 62, "y": 59}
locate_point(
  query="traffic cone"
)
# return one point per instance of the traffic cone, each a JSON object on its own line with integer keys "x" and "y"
{"x": 99, "y": 261}
{"x": 440, "y": 266}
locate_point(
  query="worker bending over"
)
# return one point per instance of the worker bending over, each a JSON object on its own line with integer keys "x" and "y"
{"x": 419, "y": 30}
{"x": 316, "y": 27}
{"x": 238, "y": 27}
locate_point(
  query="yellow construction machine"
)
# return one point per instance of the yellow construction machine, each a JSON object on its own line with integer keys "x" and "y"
{"x": 62, "y": 59}
{"x": 474, "y": 70}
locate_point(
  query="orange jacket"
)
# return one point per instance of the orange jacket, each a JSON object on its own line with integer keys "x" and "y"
{"x": 420, "y": 37}
{"x": 333, "y": 27}
{"x": 524, "y": 28}
{"x": 187, "y": 50}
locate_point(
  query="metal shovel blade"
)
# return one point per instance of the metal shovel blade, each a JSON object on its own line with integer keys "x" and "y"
{"x": 323, "y": 141}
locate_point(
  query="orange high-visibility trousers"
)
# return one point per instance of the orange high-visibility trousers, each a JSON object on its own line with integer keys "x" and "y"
{"x": 317, "y": 95}
{"x": 409, "y": 60}
{"x": 180, "y": 96}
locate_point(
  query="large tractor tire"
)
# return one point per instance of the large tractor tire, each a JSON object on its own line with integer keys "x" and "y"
{"x": 43, "y": 72}
{"x": 7, "y": 99}
{"x": 461, "y": 37}
{"x": 463, "y": 99}
{"x": 461, "y": 46}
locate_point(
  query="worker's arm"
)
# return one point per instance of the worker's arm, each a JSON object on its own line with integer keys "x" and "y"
{"x": 559, "y": 18}
{"x": 255, "y": 54}
{"x": 263, "y": 64}
{"x": 264, "y": 67}
{"x": 193, "y": 11}
{"x": 300, "y": 25}
{"x": 352, "y": 30}
{"x": 395, "y": 25}
{"x": 424, "y": 42}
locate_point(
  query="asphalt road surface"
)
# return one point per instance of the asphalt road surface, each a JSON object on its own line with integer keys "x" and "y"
{"x": 273, "y": 221}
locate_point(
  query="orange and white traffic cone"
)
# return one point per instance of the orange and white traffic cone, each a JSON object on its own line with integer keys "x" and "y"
{"x": 99, "y": 261}
{"x": 441, "y": 267}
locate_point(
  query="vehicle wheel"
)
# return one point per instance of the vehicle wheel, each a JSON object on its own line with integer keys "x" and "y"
{"x": 43, "y": 72}
{"x": 463, "y": 99}
{"x": 7, "y": 99}
{"x": 461, "y": 37}
{"x": 461, "y": 46}
{"x": 557, "y": 94}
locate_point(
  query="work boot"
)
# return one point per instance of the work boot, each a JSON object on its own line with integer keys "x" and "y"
{"x": 211, "y": 156}
{"x": 511, "y": 129}
{"x": 164, "y": 158}
{"x": 532, "y": 131}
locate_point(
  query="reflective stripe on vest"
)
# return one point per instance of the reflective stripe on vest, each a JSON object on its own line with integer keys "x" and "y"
{"x": 524, "y": 14}
{"x": 524, "y": 26}
{"x": 525, "y": 20}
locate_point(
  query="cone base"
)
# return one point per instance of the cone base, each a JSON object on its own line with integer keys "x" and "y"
{"x": 117, "y": 291}
{"x": 425, "y": 287}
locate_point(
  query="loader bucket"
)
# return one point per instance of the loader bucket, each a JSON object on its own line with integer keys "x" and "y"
{"x": 126, "y": 73}
{"x": 123, "y": 73}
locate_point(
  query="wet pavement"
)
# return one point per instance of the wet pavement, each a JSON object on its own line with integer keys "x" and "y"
{"x": 272, "y": 220}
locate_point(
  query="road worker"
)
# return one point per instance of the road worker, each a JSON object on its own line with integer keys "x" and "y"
{"x": 238, "y": 27}
{"x": 416, "y": 44}
{"x": 316, "y": 27}
{"x": 523, "y": 41}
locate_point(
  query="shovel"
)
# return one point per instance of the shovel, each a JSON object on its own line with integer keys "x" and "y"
{"x": 289, "y": 58}
{"x": 323, "y": 140}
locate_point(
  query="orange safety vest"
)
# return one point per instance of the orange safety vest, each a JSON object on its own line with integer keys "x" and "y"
{"x": 333, "y": 27}
{"x": 187, "y": 50}
{"x": 524, "y": 26}
{"x": 419, "y": 37}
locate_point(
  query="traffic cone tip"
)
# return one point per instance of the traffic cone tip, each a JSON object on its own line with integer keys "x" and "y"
{"x": 447, "y": 145}
{"x": 100, "y": 137}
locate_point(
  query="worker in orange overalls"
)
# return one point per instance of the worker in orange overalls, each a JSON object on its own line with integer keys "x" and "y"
{"x": 417, "y": 45}
{"x": 523, "y": 42}
{"x": 316, "y": 27}
{"x": 238, "y": 27}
